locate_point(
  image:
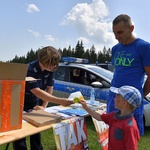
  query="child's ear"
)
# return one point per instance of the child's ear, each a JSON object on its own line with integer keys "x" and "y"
{"x": 125, "y": 103}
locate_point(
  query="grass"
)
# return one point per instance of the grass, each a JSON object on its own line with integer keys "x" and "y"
{"x": 49, "y": 143}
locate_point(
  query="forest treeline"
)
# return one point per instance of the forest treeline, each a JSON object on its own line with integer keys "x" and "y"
{"x": 101, "y": 56}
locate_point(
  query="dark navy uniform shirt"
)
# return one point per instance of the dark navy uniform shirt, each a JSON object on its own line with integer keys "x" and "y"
{"x": 46, "y": 78}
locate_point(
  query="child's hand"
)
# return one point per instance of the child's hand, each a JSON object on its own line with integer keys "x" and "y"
{"x": 83, "y": 103}
{"x": 77, "y": 99}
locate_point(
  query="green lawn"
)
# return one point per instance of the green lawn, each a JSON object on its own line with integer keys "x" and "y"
{"x": 49, "y": 143}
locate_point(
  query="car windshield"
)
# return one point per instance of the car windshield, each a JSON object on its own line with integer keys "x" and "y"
{"x": 106, "y": 73}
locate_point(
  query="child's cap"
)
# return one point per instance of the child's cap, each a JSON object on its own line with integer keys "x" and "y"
{"x": 129, "y": 93}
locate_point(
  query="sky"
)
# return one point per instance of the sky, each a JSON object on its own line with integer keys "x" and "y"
{"x": 33, "y": 24}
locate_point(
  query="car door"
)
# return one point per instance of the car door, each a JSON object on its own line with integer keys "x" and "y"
{"x": 84, "y": 79}
{"x": 69, "y": 79}
{"x": 60, "y": 82}
{"x": 101, "y": 91}
{"x": 67, "y": 82}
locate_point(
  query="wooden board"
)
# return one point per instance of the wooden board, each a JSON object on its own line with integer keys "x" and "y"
{"x": 40, "y": 118}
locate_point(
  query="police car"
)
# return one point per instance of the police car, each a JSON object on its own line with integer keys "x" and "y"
{"x": 106, "y": 65}
{"x": 75, "y": 74}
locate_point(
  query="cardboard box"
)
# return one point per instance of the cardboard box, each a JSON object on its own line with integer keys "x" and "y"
{"x": 41, "y": 118}
{"x": 12, "y": 89}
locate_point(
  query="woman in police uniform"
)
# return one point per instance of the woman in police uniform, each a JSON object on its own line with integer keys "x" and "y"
{"x": 40, "y": 90}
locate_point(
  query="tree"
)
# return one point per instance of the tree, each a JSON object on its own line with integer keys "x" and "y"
{"x": 31, "y": 55}
{"x": 100, "y": 57}
{"x": 79, "y": 50}
{"x": 17, "y": 59}
{"x": 86, "y": 55}
{"x": 93, "y": 55}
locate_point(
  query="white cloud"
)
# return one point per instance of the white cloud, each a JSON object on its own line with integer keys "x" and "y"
{"x": 36, "y": 34}
{"x": 32, "y": 8}
{"x": 50, "y": 38}
{"x": 84, "y": 40}
{"x": 91, "y": 22}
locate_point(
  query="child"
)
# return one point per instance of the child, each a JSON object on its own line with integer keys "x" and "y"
{"x": 123, "y": 130}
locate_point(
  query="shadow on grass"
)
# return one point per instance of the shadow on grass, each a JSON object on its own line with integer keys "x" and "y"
{"x": 144, "y": 143}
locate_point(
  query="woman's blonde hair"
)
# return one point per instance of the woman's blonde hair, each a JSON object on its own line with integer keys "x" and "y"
{"x": 49, "y": 56}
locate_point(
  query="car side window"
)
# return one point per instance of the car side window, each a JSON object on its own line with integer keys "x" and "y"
{"x": 60, "y": 73}
{"x": 78, "y": 75}
{"x": 93, "y": 78}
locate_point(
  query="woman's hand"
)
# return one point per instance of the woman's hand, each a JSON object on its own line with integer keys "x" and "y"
{"x": 67, "y": 102}
{"x": 38, "y": 108}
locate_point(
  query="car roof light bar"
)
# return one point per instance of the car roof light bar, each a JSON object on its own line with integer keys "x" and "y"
{"x": 75, "y": 60}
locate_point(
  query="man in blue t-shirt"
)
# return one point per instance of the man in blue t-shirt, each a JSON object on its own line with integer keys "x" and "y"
{"x": 131, "y": 58}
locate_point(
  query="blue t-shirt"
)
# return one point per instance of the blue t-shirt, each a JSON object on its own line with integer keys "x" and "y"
{"x": 129, "y": 61}
{"x": 46, "y": 78}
